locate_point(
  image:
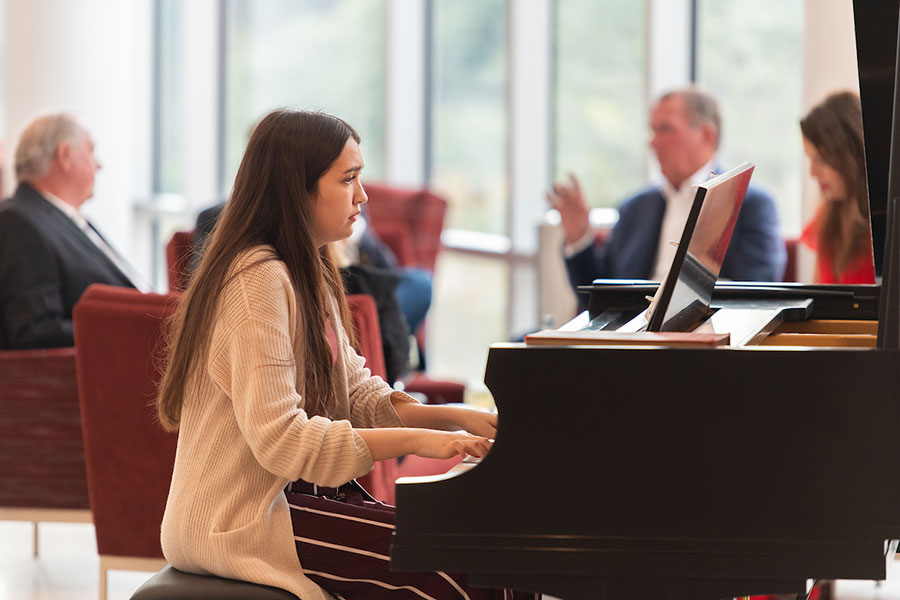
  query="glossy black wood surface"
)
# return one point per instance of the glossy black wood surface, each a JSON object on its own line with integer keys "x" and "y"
{"x": 876, "y": 52}
{"x": 691, "y": 473}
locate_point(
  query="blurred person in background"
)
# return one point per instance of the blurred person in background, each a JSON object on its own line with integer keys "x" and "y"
{"x": 839, "y": 232}
{"x": 49, "y": 252}
{"x": 686, "y": 130}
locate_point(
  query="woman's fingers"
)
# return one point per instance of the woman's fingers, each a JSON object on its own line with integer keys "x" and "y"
{"x": 445, "y": 444}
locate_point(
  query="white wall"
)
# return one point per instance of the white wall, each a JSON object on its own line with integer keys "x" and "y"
{"x": 830, "y": 49}
{"x": 94, "y": 58}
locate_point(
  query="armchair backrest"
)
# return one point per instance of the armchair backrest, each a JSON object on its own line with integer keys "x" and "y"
{"x": 380, "y": 480}
{"x": 129, "y": 457}
{"x": 416, "y": 212}
{"x": 368, "y": 332}
{"x": 179, "y": 253}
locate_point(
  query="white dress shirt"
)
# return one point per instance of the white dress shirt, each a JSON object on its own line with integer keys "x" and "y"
{"x": 75, "y": 215}
{"x": 678, "y": 207}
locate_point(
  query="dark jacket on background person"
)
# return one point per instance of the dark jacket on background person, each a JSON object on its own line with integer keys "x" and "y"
{"x": 46, "y": 263}
{"x": 756, "y": 252}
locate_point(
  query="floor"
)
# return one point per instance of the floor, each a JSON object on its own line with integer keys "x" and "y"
{"x": 68, "y": 568}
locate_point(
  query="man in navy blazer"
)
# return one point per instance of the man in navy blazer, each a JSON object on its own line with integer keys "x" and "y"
{"x": 49, "y": 253}
{"x": 685, "y": 128}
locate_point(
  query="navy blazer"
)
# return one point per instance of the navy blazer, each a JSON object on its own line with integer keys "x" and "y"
{"x": 756, "y": 252}
{"x": 46, "y": 263}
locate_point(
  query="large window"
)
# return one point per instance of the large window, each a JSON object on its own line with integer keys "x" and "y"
{"x": 600, "y": 121}
{"x": 311, "y": 54}
{"x": 468, "y": 110}
{"x": 750, "y": 54}
{"x": 468, "y": 167}
{"x": 168, "y": 175}
{"x": 608, "y": 57}
{"x": 467, "y": 316}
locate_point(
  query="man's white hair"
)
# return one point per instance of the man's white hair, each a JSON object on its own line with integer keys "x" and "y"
{"x": 40, "y": 139}
{"x": 702, "y": 107}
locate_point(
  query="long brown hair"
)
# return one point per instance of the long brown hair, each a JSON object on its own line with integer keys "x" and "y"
{"x": 835, "y": 128}
{"x": 271, "y": 203}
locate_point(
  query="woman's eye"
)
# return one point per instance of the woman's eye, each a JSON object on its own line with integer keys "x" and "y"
{"x": 350, "y": 179}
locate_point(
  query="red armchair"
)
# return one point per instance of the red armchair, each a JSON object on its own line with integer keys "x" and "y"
{"x": 179, "y": 252}
{"x": 380, "y": 480}
{"x": 129, "y": 457}
{"x": 368, "y": 332}
{"x": 410, "y": 221}
{"x": 42, "y": 473}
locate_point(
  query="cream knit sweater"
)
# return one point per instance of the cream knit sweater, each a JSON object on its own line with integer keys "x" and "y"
{"x": 244, "y": 434}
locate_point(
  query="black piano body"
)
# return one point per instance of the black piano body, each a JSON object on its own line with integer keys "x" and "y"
{"x": 693, "y": 472}
{"x": 636, "y": 472}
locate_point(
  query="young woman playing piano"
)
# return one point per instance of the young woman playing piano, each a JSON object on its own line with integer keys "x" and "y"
{"x": 839, "y": 231}
{"x": 275, "y": 411}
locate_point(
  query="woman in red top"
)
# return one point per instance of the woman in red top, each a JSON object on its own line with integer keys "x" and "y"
{"x": 839, "y": 232}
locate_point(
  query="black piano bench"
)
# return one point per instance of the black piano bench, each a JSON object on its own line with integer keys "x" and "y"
{"x": 172, "y": 584}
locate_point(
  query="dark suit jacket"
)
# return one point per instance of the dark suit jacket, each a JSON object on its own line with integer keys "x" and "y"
{"x": 756, "y": 251}
{"x": 46, "y": 262}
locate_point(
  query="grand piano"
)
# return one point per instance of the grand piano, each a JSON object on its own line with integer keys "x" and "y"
{"x": 702, "y": 471}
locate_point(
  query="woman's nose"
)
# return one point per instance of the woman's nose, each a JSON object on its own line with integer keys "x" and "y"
{"x": 361, "y": 197}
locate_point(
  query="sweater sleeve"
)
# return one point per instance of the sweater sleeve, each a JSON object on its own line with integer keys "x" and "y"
{"x": 370, "y": 395}
{"x": 252, "y": 361}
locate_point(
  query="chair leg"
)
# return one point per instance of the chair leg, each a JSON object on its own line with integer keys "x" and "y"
{"x": 102, "y": 580}
{"x": 34, "y": 534}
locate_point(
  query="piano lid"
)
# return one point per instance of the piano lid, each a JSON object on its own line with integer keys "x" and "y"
{"x": 876, "y": 51}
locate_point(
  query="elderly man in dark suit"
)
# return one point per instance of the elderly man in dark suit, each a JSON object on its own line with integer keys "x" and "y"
{"x": 49, "y": 253}
{"x": 685, "y": 126}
